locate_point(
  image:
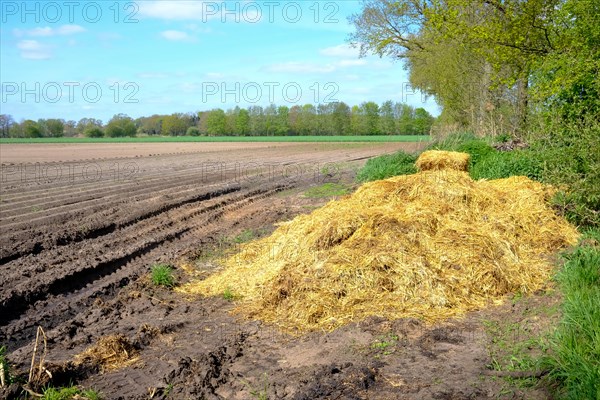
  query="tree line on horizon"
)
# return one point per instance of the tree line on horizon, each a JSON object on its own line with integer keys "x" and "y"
{"x": 337, "y": 118}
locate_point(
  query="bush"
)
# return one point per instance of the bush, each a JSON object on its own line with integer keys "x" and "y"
{"x": 386, "y": 166}
{"x": 193, "y": 131}
{"x": 93, "y": 132}
{"x": 571, "y": 157}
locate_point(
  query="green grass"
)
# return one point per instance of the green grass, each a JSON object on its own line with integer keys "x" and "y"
{"x": 68, "y": 393}
{"x": 327, "y": 190}
{"x": 575, "y": 361}
{"x": 179, "y": 139}
{"x": 382, "y": 167}
{"x": 162, "y": 275}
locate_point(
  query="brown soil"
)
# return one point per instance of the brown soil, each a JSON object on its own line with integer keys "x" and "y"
{"x": 76, "y": 250}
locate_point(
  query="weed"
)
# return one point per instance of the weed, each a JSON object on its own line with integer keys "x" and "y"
{"x": 385, "y": 344}
{"x": 168, "y": 389}
{"x": 228, "y": 295}
{"x": 162, "y": 275}
{"x": 263, "y": 393}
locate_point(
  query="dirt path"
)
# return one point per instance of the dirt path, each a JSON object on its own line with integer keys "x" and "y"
{"x": 77, "y": 239}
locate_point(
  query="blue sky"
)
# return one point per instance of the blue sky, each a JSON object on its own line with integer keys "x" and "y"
{"x": 77, "y": 59}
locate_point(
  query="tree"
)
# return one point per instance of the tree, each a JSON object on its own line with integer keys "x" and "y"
{"x": 422, "y": 121}
{"x": 174, "y": 125}
{"x": 70, "y": 128}
{"x": 216, "y": 122}
{"x": 85, "y": 123}
{"x": 31, "y": 129}
{"x": 257, "y": 120}
{"x": 388, "y": 122}
{"x": 341, "y": 119}
{"x": 404, "y": 115}
{"x": 55, "y": 127}
{"x": 6, "y": 121}
{"x": 370, "y": 111}
{"x": 474, "y": 56}
{"x": 242, "y": 122}
{"x": 151, "y": 125}
{"x": 120, "y": 125}
{"x": 282, "y": 127}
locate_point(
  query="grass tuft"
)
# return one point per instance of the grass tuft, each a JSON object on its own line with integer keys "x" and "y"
{"x": 162, "y": 275}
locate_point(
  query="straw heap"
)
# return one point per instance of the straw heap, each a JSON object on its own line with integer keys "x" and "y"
{"x": 110, "y": 352}
{"x": 432, "y": 245}
{"x": 437, "y": 160}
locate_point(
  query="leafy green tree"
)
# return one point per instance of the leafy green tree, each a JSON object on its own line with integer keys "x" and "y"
{"x": 120, "y": 125}
{"x": 216, "y": 122}
{"x": 242, "y": 122}
{"x": 55, "y": 127}
{"x": 370, "y": 111}
{"x": 404, "y": 116}
{"x": 31, "y": 129}
{"x": 341, "y": 119}
{"x": 422, "y": 121}
{"x": 388, "y": 122}
{"x": 174, "y": 125}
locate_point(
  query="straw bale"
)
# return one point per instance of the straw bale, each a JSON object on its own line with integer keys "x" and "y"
{"x": 436, "y": 160}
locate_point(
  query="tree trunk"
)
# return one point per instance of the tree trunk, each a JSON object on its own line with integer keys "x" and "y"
{"x": 522, "y": 104}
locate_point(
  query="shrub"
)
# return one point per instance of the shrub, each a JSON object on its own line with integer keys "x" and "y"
{"x": 193, "y": 131}
{"x": 571, "y": 157}
{"x": 93, "y": 132}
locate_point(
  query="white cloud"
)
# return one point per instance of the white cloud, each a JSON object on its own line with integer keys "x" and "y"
{"x": 70, "y": 29}
{"x": 48, "y": 31}
{"x": 34, "y": 50}
{"x": 175, "y": 35}
{"x": 342, "y": 51}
